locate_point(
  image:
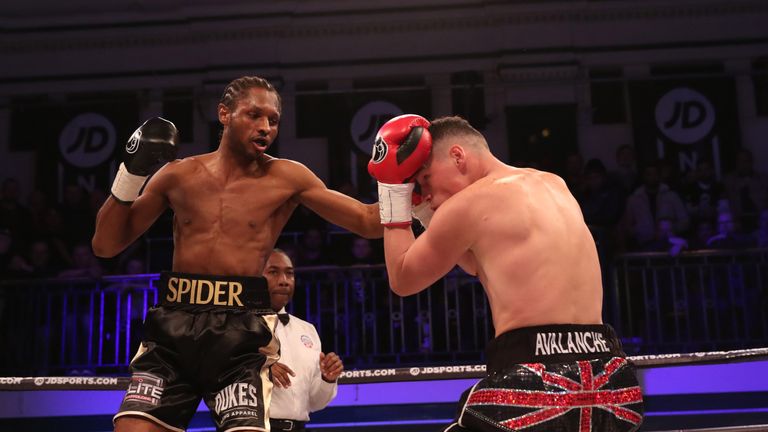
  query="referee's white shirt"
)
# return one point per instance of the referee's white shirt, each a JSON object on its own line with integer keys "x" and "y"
{"x": 300, "y": 350}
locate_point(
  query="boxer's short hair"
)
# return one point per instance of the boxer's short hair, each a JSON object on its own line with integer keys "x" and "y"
{"x": 235, "y": 89}
{"x": 451, "y": 126}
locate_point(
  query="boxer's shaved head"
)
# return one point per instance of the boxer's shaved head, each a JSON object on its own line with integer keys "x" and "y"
{"x": 444, "y": 128}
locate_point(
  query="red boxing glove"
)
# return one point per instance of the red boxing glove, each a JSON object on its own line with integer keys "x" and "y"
{"x": 402, "y": 147}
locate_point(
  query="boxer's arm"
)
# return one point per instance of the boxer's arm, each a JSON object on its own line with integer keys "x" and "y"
{"x": 126, "y": 214}
{"x": 414, "y": 264}
{"x": 423, "y": 214}
{"x": 468, "y": 263}
{"x": 120, "y": 224}
{"x": 335, "y": 207}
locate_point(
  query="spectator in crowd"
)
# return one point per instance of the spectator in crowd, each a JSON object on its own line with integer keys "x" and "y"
{"x": 601, "y": 200}
{"x": 37, "y": 262}
{"x": 574, "y": 173}
{"x": 729, "y": 234}
{"x": 38, "y": 205}
{"x": 650, "y": 203}
{"x": 289, "y": 248}
{"x": 665, "y": 239}
{"x": 669, "y": 174}
{"x": 746, "y": 189}
{"x": 703, "y": 195}
{"x": 76, "y": 215}
{"x": 359, "y": 251}
{"x": 54, "y": 231}
{"x": 602, "y": 203}
{"x": 6, "y": 251}
{"x": 626, "y": 169}
{"x": 704, "y": 229}
{"x": 761, "y": 235}
{"x": 84, "y": 263}
{"x": 313, "y": 249}
{"x": 13, "y": 215}
{"x": 362, "y": 251}
{"x": 133, "y": 266}
{"x": 305, "y": 379}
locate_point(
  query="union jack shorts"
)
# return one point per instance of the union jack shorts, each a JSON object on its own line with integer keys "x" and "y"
{"x": 590, "y": 395}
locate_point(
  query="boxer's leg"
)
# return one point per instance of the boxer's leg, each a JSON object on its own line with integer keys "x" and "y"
{"x": 238, "y": 389}
{"x": 458, "y": 424}
{"x": 159, "y": 398}
{"x": 453, "y": 427}
{"x": 137, "y": 424}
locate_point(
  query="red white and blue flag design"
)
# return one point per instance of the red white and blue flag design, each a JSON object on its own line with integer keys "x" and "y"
{"x": 583, "y": 396}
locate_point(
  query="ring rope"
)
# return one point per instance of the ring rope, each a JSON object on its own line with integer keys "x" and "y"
{"x": 416, "y": 373}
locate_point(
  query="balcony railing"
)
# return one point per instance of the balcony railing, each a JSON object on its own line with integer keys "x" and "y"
{"x": 698, "y": 301}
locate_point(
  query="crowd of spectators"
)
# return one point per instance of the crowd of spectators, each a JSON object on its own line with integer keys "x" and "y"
{"x": 658, "y": 208}
{"x": 43, "y": 238}
{"x": 631, "y": 208}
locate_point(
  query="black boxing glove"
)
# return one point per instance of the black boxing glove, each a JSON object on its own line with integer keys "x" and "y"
{"x": 153, "y": 144}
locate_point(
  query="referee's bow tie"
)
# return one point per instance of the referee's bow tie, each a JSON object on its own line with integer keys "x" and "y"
{"x": 283, "y": 317}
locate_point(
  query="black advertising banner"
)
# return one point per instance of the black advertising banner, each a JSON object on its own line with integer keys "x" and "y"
{"x": 350, "y": 121}
{"x": 686, "y": 120}
{"x": 81, "y": 143}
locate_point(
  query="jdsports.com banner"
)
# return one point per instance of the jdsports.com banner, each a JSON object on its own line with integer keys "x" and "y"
{"x": 416, "y": 373}
{"x": 684, "y": 121}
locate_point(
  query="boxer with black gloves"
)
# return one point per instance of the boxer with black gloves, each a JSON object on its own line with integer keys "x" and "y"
{"x": 211, "y": 335}
{"x": 153, "y": 144}
{"x": 553, "y": 364}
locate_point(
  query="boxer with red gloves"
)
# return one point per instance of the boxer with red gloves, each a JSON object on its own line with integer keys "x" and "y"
{"x": 401, "y": 148}
{"x": 211, "y": 335}
{"x": 553, "y": 364}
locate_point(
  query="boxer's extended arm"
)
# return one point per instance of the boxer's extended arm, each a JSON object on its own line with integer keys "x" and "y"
{"x": 119, "y": 224}
{"x": 335, "y": 207}
{"x": 126, "y": 215}
{"x": 414, "y": 264}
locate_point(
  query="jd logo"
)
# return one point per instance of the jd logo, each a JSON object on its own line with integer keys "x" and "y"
{"x": 88, "y": 140}
{"x": 684, "y": 115}
{"x": 367, "y": 121}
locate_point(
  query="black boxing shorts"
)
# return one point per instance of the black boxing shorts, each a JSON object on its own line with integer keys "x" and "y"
{"x": 554, "y": 378}
{"x": 211, "y": 337}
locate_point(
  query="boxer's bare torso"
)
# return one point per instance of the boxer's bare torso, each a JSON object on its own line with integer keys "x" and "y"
{"x": 227, "y": 225}
{"x": 230, "y": 205}
{"x": 532, "y": 251}
{"x": 522, "y": 233}
{"x": 227, "y": 222}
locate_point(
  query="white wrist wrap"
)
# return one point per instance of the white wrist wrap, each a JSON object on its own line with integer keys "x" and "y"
{"x": 395, "y": 203}
{"x": 127, "y": 186}
{"x": 423, "y": 213}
